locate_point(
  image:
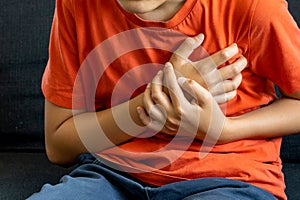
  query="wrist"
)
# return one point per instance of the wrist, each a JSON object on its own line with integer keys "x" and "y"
{"x": 133, "y": 105}
{"x": 228, "y": 131}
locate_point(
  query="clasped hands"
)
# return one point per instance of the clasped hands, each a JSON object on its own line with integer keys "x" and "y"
{"x": 183, "y": 99}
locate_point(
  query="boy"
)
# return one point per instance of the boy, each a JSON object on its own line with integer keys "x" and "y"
{"x": 167, "y": 165}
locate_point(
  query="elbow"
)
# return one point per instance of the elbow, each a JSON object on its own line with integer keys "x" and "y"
{"x": 52, "y": 157}
{"x": 59, "y": 156}
{"x": 59, "y": 159}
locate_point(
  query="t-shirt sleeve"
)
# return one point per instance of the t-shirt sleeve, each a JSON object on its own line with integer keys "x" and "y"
{"x": 63, "y": 64}
{"x": 275, "y": 45}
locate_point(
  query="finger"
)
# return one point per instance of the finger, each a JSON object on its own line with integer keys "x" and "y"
{"x": 227, "y": 90}
{"x": 176, "y": 94}
{"x": 147, "y": 97}
{"x": 154, "y": 125}
{"x": 156, "y": 112}
{"x": 163, "y": 109}
{"x": 157, "y": 91}
{"x": 147, "y": 121}
{"x": 210, "y": 63}
{"x": 234, "y": 69}
{"x": 212, "y": 78}
{"x": 189, "y": 94}
{"x": 189, "y": 45}
{"x": 224, "y": 55}
{"x": 202, "y": 96}
{"x": 237, "y": 80}
{"x": 225, "y": 97}
{"x": 143, "y": 116}
{"x": 226, "y": 86}
{"x": 172, "y": 123}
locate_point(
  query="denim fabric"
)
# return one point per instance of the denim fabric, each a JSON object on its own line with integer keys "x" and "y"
{"x": 92, "y": 180}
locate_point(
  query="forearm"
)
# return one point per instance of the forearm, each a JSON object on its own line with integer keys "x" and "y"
{"x": 93, "y": 132}
{"x": 278, "y": 119}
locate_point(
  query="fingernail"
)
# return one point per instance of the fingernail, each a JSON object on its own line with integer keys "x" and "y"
{"x": 138, "y": 110}
{"x": 234, "y": 48}
{"x": 168, "y": 64}
{"x": 200, "y": 38}
{"x": 181, "y": 80}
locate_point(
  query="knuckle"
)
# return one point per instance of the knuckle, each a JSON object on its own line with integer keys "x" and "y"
{"x": 194, "y": 84}
{"x": 155, "y": 97}
{"x": 211, "y": 81}
{"x": 244, "y": 61}
{"x": 233, "y": 86}
{"x": 178, "y": 110}
{"x": 207, "y": 97}
{"x": 188, "y": 41}
{"x": 173, "y": 122}
{"x": 229, "y": 86}
{"x": 235, "y": 69}
{"x": 176, "y": 59}
{"x": 238, "y": 66}
{"x": 225, "y": 55}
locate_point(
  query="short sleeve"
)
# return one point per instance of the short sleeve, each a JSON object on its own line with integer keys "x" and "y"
{"x": 275, "y": 45}
{"x": 63, "y": 64}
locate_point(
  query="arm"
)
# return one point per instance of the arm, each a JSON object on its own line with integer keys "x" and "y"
{"x": 161, "y": 112}
{"x": 68, "y": 134}
{"x": 208, "y": 122}
{"x": 63, "y": 141}
{"x": 278, "y": 119}
{"x": 282, "y": 116}
{"x": 198, "y": 118}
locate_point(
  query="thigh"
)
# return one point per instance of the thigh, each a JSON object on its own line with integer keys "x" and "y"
{"x": 210, "y": 189}
{"x": 90, "y": 181}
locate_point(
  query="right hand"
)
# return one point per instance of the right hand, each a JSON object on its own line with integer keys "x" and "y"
{"x": 222, "y": 83}
{"x": 172, "y": 114}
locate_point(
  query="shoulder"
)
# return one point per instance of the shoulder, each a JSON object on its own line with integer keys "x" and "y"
{"x": 272, "y": 17}
{"x": 268, "y": 11}
{"x": 64, "y": 6}
{"x": 64, "y": 3}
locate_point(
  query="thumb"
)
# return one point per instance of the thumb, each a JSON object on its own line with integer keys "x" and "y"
{"x": 189, "y": 45}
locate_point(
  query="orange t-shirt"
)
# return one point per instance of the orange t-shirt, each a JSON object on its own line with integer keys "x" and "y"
{"x": 113, "y": 54}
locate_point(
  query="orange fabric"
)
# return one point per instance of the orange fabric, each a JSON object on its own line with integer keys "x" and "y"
{"x": 265, "y": 33}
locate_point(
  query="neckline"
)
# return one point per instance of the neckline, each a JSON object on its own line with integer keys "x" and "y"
{"x": 175, "y": 20}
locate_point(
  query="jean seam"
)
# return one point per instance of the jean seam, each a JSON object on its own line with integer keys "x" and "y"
{"x": 147, "y": 194}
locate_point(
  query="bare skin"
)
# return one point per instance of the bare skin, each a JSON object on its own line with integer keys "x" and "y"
{"x": 63, "y": 143}
{"x": 258, "y": 124}
{"x": 280, "y": 118}
{"x": 155, "y": 10}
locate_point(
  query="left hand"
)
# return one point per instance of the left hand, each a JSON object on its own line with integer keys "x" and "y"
{"x": 222, "y": 82}
{"x": 169, "y": 114}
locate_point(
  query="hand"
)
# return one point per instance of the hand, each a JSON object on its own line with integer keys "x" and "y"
{"x": 158, "y": 112}
{"x": 176, "y": 114}
{"x": 223, "y": 82}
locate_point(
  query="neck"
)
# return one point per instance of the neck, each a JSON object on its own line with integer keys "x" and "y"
{"x": 154, "y": 10}
{"x": 164, "y": 12}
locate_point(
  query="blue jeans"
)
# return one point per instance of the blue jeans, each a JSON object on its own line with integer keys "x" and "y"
{"x": 92, "y": 180}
